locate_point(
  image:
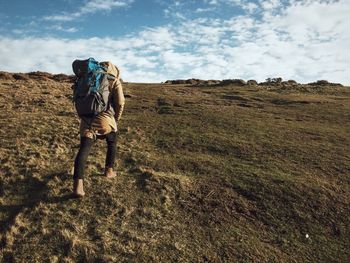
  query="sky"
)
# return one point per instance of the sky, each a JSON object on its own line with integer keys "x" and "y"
{"x": 157, "y": 40}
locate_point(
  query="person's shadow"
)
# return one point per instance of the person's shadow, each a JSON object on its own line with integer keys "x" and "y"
{"x": 28, "y": 193}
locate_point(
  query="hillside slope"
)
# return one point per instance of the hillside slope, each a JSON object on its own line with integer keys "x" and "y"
{"x": 206, "y": 174}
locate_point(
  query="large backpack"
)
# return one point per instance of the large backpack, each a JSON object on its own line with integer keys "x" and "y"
{"x": 91, "y": 89}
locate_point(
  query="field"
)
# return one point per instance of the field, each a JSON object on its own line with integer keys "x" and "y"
{"x": 206, "y": 174}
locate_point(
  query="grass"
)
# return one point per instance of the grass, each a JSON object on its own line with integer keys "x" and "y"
{"x": 218, "y": 174}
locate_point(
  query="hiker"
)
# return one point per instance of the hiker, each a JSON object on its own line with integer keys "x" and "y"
{"x": 102, "y": 125}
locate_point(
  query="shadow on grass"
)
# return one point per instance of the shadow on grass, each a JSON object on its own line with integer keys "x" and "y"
{"x": 32, "y": 191}
{"x": 142, "y": 180}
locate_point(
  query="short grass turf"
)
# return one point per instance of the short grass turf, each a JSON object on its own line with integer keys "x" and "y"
{"x": 206, "y": 174}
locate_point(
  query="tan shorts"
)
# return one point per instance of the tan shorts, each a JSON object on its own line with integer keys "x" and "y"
{"x": 102, "y": 125}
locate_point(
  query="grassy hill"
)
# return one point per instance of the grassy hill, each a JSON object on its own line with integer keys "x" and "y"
{"x": 206, "y": 174}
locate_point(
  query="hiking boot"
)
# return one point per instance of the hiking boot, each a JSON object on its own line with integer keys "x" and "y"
{"x": 78, "y": 188}
{"x": 109, "y": 173}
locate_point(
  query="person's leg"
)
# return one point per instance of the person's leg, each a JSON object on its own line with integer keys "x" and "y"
{"x": 111, "y": 140}
{"x": 80, "y": 163}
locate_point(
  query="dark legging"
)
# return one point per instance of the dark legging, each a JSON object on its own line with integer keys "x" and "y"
{"x": 85, "y": 147}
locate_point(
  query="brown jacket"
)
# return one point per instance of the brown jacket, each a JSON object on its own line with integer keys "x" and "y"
{"x": 106, "y": 122}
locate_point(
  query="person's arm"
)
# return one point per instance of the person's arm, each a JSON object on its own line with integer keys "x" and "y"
{"x": 118, "y": 99}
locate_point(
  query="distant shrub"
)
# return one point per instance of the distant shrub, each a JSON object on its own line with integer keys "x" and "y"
{"x": 274, "y": 80}
{"x": 238, "y": 82}
{"x": 20, "y": 76}
{"x": 5, "y": 76}
{"x": 292, "y": 82}
{"x": 38, "y": 75}
{"x": 62, "y": 78}
{"x": 252, "y": 82}
{"x": 324, "y": 83}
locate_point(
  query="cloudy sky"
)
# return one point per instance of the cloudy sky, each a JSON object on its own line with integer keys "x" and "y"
{"x": 156, "y": 40}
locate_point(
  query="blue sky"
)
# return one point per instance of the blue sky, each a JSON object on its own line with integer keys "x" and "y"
{"x": 156, "y": 40}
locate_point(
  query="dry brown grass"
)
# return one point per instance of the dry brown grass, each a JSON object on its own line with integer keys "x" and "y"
{"x": 218, "y": 174}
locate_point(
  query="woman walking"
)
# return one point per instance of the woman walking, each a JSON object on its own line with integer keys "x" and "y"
{"x": 103, "y": 126}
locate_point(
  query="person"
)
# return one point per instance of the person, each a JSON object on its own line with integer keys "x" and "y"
{"x": 104, "y": 126}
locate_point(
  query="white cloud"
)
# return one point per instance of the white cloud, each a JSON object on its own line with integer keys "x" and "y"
{"x": 140, "y": 53}
{"x": 64, "y": 29}
{"x": 203, "y": 10}
{"x": 270, "y": 4}
{"x": 62, "y": 17}
{"x": 244, "y": 4}
{"x": 70, "y": 30}
{"x": 211, "y": 2}
{"x": 299, "y": 43}
{"x": 92, "y": 6}
{"x": 250, "y": 7}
